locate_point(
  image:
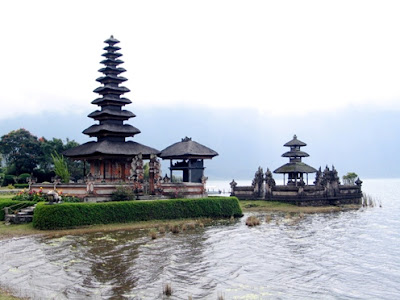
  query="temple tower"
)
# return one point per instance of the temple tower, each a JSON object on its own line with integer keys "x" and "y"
{"x": 295, "y": 168}
{"x": 110, "y": 157}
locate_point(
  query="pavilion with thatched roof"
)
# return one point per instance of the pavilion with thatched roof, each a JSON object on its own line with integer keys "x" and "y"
{"x": 295, "y": 168}
{"x": 190, "y": 156}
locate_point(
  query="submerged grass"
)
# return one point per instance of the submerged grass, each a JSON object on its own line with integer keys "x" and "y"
{"x": 6, "y": 295}
{"x": 9, "y": 231}
{"x": 260, "y": 205}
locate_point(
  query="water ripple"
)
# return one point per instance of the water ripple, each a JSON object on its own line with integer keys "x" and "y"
{"x": 345, "y": 255}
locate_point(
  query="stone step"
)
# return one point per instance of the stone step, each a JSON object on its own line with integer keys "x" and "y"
{"x": 25, "y": 215}
{"x": 26, "y": 211}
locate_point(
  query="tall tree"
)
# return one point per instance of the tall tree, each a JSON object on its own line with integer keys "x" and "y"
{"x": 350, "y": 178}
{"x": 21, "y": 150}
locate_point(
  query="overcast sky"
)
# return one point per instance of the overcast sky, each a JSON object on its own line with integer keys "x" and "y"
{"x": 276, "y": 56}
{"x": 238, "y": 76}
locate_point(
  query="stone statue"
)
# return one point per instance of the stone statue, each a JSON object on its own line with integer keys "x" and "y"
{"x": 318, "y": 177}
{"x": 258, "y": 183}
{"x": 269, "y": 180}
{"x": 233, "y": 185}
{"x": 269, "y": 184}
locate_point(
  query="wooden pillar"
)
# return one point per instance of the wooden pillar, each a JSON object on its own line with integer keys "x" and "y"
{"x": 170, "y": 169}
{"x": 151, "y": 178}
{"x": 103, "y": 166}
{"x": 123, "y": 177}
{"x": 110, "y": 170}
{"x": 84, "y": 168}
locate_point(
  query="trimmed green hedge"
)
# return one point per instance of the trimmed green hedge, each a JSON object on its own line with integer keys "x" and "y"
{"x": 21, "y": 185}
{"x": 67, "y": 215}
{"x": 19, "y": 204}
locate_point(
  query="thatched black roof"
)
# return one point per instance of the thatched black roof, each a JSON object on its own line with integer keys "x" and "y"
{"x": 109, "y": 148}
{"x": 295, "y": 167}
{"x": 111, "y": 129}
{"x": 109, "y": 113}
{"x": 295, "y": 142}
{"x": 295, "y": 154}
{"x": 187, "y": 149}
{"x": 110, "y": 100}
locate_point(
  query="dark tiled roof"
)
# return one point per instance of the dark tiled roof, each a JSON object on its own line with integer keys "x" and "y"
{"x": 297, "y": 167}
{"x": 295, "y": 142}
{"x": 187, "y": 149}
{"x": 128, "y": 148}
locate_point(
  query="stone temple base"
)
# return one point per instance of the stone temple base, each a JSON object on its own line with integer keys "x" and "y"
{"x": 101, "y": 192}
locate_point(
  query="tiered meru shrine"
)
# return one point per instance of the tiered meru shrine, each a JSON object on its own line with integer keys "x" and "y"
{"x": 326, "y": 190}
{"x": 112, "y": 160}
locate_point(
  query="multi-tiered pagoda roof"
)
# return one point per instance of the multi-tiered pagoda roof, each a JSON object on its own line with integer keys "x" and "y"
{"x": 295, "y": 167}
{"x": 111, "y": 131}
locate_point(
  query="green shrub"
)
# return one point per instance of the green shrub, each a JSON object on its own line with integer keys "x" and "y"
{"x": 21, "y": 185}
{"x": 122, "y": 193}
{"x": 71, "y": 199}
{"x": 22, "y": 178}
{"x": 11, "y": 203}
{"x": 67, "y": 215}
{"x": 8, "y": 179}
{"x": 10, "y": 187}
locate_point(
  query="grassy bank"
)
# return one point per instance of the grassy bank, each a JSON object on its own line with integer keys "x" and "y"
{"x": 270, "y": 206}
{"x": 9, "y": 231}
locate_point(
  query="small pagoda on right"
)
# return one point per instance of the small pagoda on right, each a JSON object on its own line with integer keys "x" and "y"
{"x": 295, "y": 168}
{"x": 326, "y": 190}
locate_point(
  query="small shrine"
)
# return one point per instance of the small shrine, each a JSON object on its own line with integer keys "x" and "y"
{"x": 112, "y": 158}
{"x": 326, "y": 190}
{"x": 190, "y": 157}
{"x": 295, "y": 168}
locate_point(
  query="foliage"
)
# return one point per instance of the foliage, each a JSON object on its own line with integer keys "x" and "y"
{"x": 31, "y": 195}
{"x": 23, "y": 152}
{"x": 10, "y": 186}
{"x": 176, "y": 178}
{"x": 146, "y": 171}
{"x": 71, "y": 199}
{"x": 21, "y": 149}
{"x": 60, "y": 167}
{"x": 22, "y": 177}
{"x": 9, "y": 179}
{"x": 350, "y": 178}
{"x": 11, "y": 203}
{"x": 21, "y": 185}
{"x": 67, "y": 215}
{"x": 123, "y": 193}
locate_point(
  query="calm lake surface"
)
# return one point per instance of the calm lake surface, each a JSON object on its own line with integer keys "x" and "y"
{"x": 345, "y": 255}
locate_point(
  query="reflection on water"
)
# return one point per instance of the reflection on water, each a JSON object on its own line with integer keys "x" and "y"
{"x": 345, "y": 255}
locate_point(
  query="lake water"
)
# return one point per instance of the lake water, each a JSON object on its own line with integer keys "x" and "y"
{"x": 343, "y": 255}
